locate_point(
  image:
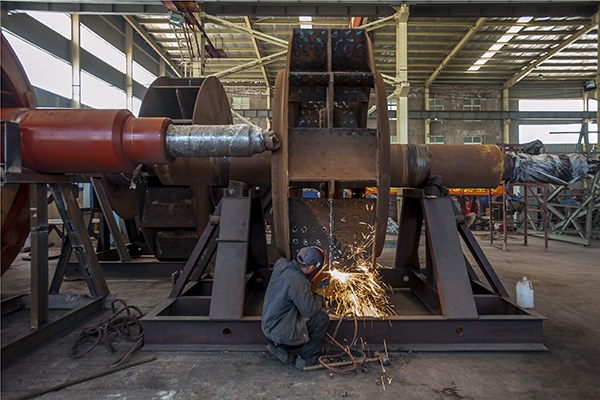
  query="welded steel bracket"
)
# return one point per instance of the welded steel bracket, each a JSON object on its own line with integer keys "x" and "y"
{"x": 461, "y": 312}
{"x": 81, "y": 244}
{"x": 45, "y": 328}
{"x": 234, "y": 239}
{"x": 448, "y": 285}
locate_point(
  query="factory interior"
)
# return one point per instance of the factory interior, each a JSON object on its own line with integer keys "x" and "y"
{"x": 159, "y": 157}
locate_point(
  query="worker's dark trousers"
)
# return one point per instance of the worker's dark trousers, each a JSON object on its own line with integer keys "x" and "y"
{"x": 317, "y": 328}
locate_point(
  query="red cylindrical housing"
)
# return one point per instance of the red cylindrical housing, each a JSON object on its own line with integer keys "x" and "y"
{"x": 87, "y": 140}
{"x": 144, "y": 140}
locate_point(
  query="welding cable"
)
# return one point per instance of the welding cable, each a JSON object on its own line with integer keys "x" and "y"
{"x": 347, "y": 350}
{"x": 115, "y": 327}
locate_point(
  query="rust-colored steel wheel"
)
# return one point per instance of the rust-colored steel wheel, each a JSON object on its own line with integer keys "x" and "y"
{"x": 320, "y": 118}
{"x": 16, "y": 92}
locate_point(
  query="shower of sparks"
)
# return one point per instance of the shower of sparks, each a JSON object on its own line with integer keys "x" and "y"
{"x": 356, "y": 287}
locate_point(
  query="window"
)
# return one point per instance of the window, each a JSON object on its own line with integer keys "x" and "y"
{"x": 305, "y": 19}
{"x": 58, "y": 22}
{"x": 240, "y": 103}
{"x": 392, "y": 107}
{"x": 472, "y": 140}
{"x": 38, "y": 62}
{"x": 472, "y": 105}
{"x": 436, "y": 139}
{"x": 436, "y": 104}
{"x": 97, "y": 93}
{"x": 555, "y": 133}
{"x": 105, "y": 51}
{"x": 142, "y": 75}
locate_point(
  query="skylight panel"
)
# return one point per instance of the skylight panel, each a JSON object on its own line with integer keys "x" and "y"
{"x": 305, "y": 19}
{"x": 500, "y": 43}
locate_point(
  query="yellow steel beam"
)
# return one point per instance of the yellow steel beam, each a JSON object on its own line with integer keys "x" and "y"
{"x": 261, "y": 61}
{"x": 262, "y": 67}
{"x": 456, "y": 49}
{"x": 243, "y": 29}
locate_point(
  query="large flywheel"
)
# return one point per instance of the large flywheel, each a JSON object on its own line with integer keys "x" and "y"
{"x": 320, "y": 117}
{"x": 16, "y": 92}
{"x": 173, "y": 213}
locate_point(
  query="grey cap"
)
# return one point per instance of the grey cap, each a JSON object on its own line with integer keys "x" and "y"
{"x": 310, "y": 256}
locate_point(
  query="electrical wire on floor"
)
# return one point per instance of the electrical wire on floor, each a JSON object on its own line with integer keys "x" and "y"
{"x": 346, "y": 351}
{"x": 125, "y": 322}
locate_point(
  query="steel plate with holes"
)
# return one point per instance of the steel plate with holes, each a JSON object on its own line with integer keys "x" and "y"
{"x": 352, "y": 223}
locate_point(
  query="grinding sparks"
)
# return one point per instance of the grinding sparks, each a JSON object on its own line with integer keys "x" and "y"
{"x": 356, "y": 287}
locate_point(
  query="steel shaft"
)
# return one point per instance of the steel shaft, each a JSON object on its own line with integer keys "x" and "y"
{"x": 114, "y": 141}
{"x": 218, "y": 140}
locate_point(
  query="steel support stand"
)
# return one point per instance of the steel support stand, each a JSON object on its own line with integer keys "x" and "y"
{"x": 42, "y": 299}
{"x": 464, "y": 312}
{"x": 109, "y": 217}
{"x": 78, "y": 235}
{"x": 235, "y": 235}
{"x": 39, "y": 254}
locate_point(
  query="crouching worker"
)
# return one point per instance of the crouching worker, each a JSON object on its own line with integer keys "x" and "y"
{"x": 292, "y": 318}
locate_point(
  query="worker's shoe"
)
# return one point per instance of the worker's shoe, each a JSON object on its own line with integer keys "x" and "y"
{"x": 282, "y": 354}
{"x": 301, "y": 362}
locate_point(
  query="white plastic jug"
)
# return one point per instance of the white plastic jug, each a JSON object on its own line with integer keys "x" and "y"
{"x": 524, "y": 293}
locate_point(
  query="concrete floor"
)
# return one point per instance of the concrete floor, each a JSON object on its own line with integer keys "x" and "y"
{"x": 565, "y": 278}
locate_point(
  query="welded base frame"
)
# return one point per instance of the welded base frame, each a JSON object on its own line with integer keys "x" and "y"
{"x": 462, "y": 312}
{"x": 401, "y": 333}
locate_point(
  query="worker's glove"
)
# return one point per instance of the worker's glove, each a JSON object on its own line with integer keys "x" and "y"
{"x": 322, "y": 288}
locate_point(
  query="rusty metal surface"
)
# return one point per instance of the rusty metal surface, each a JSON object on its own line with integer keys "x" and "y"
{"x": 120, "y": 196}
{"x": 229, "y": 283}
{"x": 320, "y": 117}
{"x": 186, "y": 101}
{"x": 211, "y": 106}
{"x": 172, "y": 97}
{"x": 383, "y": 161}
{"x": 341, "y": 154}
{"x": 173, "y": 244}
{"x": 452, "y": 281}
{"x": 349, "y": 50}
{"x": 306, "y": 108}
{"x": 77, "y": 232}
{"x": 353, "y": 220}
{"x": 15, "y": 227}
{"x": 168, "y": 207}
{"x": 170, "y": 327}
{"x": 482, "y": 164}
{"x": 459, "y": 166}
{"x": 38, "y": 203}
{"x": 279, "y": 165}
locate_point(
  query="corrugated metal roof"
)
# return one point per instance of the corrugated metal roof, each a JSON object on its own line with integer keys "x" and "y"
{"x": 430, "y": 40}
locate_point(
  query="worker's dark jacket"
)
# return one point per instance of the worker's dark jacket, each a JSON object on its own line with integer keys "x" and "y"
{"x": 289, "y": 303}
